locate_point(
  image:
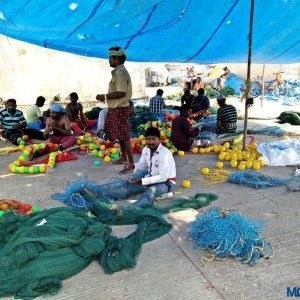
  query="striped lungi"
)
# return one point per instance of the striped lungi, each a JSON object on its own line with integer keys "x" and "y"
{"x": 117, "y": 123}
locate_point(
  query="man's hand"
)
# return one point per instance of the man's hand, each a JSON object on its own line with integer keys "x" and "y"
{"x": 100, "y": 97}
{"x": 135, "y": 181}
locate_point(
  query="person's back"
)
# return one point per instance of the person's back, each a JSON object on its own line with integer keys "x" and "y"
{"x": 72, "y": 111}
{"x": 33, "y": 113}
{"x": 226, "y": 116}
{"x": 200, "y": 102}
{"x": 157, "y": 103}
{"x": 187, "y": 98}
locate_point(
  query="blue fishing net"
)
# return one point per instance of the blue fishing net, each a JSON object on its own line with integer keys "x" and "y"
{"x": 114, "y": 189}
{"x": 230, "y": 234}
{"x": 271, "y": 130}
{"x": 256, "y": 180}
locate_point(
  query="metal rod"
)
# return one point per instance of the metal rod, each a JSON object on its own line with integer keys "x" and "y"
{"x": 248, "y": 86}
{"x": 262, "y": 85}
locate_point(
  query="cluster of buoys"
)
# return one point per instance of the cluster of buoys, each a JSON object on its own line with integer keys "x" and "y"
{"x": 99, "y": 148}
{"x": 17, "y": 165}
{"x": 236, "y": 157}
{"x": 10, "y": 205}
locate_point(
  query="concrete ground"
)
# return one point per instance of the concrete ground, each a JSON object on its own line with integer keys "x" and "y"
{"x": 170, "y": 267}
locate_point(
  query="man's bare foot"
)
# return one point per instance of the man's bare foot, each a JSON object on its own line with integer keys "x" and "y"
{"x": 120, "y": 161}
{"x": 127, "y": 169}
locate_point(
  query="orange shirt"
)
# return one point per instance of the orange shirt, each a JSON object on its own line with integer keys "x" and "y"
{"x": 198, "y": 85}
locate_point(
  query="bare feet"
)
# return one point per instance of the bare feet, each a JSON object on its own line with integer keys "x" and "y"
{"x": 127, "y": 169}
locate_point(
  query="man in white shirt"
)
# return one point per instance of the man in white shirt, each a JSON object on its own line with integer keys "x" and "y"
{"x": 155, "y": 170}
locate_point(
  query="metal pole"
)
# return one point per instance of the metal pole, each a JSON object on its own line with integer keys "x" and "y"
{"x": 248, "y": 86}
{"x": 262, "y": 86}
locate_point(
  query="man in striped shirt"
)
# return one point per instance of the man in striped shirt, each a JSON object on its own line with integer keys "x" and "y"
{"x": 226, "y": 116}
{"x": 157, "y": 103}
{"x": 13, "y": 124}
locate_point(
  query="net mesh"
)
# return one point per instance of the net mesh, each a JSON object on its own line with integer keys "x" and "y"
{"x": 230, "y": 234}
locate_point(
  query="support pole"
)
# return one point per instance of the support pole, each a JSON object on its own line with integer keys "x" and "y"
{"x": 248, "y": 86}
{"x": 262, "y": 86}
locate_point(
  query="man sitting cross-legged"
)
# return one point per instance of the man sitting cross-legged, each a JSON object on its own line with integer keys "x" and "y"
{"x": 58, "y": 129}
{"x": 155, "y": 171}
{"x": 13, "y": 124}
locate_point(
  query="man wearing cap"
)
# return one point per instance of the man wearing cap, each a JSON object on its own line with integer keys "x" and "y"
{"x": 226, "y": 116}
{"x": 119, "y": 94}
{"x": 58, "y": 129}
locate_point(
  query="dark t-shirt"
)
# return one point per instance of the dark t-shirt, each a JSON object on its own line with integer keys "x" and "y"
{"x": 187, "y": 100}
{"x": 183, "y": 133}
{"x": 200, "y": 103}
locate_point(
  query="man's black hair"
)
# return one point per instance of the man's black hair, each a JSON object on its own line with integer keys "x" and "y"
{"x": 120, "y": 58}
{"x": 73, "y": 95}
{"x": 159, "y": 92}
{"x": 14, "y": 101}
{"x": 40, "y": 99}
{"x": 152, "y": 131}
{"x": 201, "y": 91}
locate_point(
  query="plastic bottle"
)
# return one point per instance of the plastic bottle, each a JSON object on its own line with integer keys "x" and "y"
{"x": 167, "y": 195}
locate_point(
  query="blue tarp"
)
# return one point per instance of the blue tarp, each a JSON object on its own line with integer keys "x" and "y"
{"x": 195, "y": 31}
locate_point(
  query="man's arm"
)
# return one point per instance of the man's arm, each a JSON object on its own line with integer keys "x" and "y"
{"x": 22, "y": 122}
{"x": 47, "y": 129}
{"x": 68, "y": 112}
{"x": 65, "y": 129}
{"x": 142, "y": 163}
{"x": 81, "y": 116}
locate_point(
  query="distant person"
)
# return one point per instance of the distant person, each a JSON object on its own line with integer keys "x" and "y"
{"x": 187, "y": 98}
{"x": 157, "y": 103}
{"x": 218, "y": 85}
{"x": 35, "y": 119}
{"x": 200, "y": 103}
{"x": 199, "y": 84}
{"x": 226, "y": 116}
{"x": 155, "y": 171}
{"x": 74, "y": 111}
{"x": 183, "y": 133}
{"x": 58, "y": 130}
{"x": 13, "y": 124}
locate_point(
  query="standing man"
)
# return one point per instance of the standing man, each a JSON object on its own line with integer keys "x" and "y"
{"x": 226, "y": 116}
{"x": 157, "y": 103}
{"x": 119, "y": 94}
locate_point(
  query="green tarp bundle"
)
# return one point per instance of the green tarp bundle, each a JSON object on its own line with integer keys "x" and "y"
{"x": 291, "y": 117}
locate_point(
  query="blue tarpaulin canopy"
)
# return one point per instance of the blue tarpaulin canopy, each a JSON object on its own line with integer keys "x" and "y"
{"x": 195, "y": 31}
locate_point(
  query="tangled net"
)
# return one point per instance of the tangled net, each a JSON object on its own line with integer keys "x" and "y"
{"x": 256, "y": 180}
{"x": 229, "y": 234}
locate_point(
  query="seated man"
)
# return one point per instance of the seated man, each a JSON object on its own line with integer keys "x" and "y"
{"x": 74, "y": 112}
{"x": 226, "y": 116}
{"x": 200, "y": 104}
{"x": 183, "y": 133}
{"x": 58, "y": 130}
{"x": 218, "y": 84}
{"x": 187, "y": 98}
{"x": 157, "y": 103}
{"x": 157, "y": 169}
{"x": 199, "y": 84}
{"x": 13, "y": 124}
{"x": 35, "y": 119}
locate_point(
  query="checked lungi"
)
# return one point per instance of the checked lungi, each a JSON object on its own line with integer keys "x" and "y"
{"x": 117, "y": 123}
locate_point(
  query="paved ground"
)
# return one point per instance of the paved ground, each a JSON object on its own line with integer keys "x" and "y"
{"x": 170, "y": 267}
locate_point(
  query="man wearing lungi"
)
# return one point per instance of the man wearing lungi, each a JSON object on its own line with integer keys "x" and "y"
{"x": 119, "y": 94}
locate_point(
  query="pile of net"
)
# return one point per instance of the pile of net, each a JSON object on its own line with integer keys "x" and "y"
{"x": 85, "y": 193}
{"x": 229, "y": 234}
{"x": 38, "y": 252}
{"x": 256, "y": 180}
{"x": 292, "y": 117}
{"x": 270, "y": 130}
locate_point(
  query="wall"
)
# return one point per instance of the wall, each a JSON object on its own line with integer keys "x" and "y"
{"x": 28, "y": 71}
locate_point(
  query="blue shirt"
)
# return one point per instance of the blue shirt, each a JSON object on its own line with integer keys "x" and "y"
{"x": 8, "y": 121}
